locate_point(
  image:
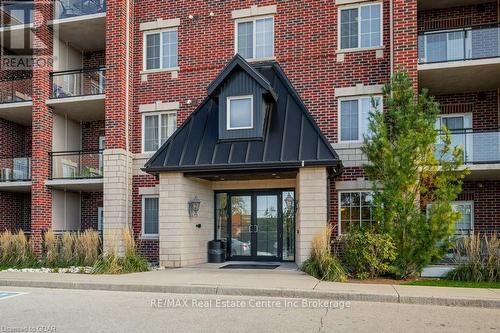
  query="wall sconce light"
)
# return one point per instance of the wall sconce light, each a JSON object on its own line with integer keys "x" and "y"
{"x": 291, "y": 203}
{"x": 194, "y": 207}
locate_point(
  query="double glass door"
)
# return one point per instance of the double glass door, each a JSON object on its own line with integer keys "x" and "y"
{"x": 255, "y": 228}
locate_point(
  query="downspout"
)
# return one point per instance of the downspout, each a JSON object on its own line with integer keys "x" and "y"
{"x": 391, "y": 35}
{"x": 127, "y": 79}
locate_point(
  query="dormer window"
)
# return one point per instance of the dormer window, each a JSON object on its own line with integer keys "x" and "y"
{"x": 240, "y": 112}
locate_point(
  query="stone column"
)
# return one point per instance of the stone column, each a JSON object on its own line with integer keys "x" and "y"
{"x": 311, "y": 216}
{"x": 117, "y": 197}
{"x": 182, "y": 243}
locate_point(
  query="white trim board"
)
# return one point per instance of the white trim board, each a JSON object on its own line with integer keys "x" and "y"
{"x": 254, "y": 11}
{"x": 160, "y": 24}
{"x": 359, "y": 90}
{"x": 159, "y": 106}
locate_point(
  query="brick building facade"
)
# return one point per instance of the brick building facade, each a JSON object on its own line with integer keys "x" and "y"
{"x": 85, "y": 127}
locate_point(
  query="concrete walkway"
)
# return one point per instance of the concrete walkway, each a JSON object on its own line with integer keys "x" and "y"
{"x": 285, "y": 281}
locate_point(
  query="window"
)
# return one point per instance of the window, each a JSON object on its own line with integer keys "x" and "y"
{"x": 361, "y": 26}
{"x": 239, "y": 112}
{"x": 460, "y": 127}
{"x": 354, "y": 117}
{"x": 355, "y": 210}
{"x": 157, "y": 128}
{"x": 150, "y": 207}
{"x": 100, "y": 218}
{"x": 160, "y": 50}
{"x": 255, "y": 38}
{"x": 465, "y": 225}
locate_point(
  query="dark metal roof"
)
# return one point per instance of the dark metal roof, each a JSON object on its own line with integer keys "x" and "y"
{"x": 291, "y": 137}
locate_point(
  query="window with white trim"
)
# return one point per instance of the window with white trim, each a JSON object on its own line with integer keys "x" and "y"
{"x": 354, "y": 113}
{"x": 255, "y": 38}
{"x": 360, "y": 26}
{"x": 156, "y": 129}
{"x": 355, "y": 210}
{"x": 160, "y": 49}
{"x": 150, "y": 211}
{"x": 239, "y": 112}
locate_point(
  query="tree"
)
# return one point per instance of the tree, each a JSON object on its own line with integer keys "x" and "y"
{"x": 415, "y": 181}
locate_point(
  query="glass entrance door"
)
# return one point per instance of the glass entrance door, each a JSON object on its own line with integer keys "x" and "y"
{"x": 256, "y": 227}
{"x": 241, "y": 226}
{"x": 266, "y": 226}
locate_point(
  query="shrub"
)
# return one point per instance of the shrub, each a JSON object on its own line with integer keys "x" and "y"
{"x": 368, "y": 254}
{"x": 479, "y": 259}
{"x": 15, "y": 249}
{"x": 67, "y": 254}
{"x": 322, "y": 264}
{"x": 111, "y": 263}
{"x": 50, "y": 247}
{"x": 87, "y": 247}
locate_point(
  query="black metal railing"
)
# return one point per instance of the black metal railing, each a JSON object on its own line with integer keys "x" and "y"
{"x": 15, "y": 169}
{"x": 76, "y": 164}
{"x": 479, "y": 147}
{"x": 468, "y": 43}
{"x": 73, "y": 8}
{"x": 16, "y": 13}
{"x": 15, "y": 90}
{"x": 81, "y": 82}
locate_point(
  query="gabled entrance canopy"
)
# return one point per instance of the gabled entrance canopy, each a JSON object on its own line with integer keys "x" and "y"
{"x": 289, "y": 137}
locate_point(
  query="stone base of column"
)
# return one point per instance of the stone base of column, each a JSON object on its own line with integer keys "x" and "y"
{"x": 117, "y": 198}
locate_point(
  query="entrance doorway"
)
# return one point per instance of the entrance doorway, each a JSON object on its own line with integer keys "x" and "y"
{"x": 257, "y": 225}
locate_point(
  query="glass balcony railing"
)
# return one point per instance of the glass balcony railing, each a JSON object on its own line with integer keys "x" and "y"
{"x": 476, "y": 42}
{"x": 17, "y": 90}
{"x": 15, "y": 169}
{"x": 16, "y": 13}
{"x": 480, "y": 147}
{"x": 76, "y": 164}
{"x": 78, "y": 83}
{"x": 72, "y": 8}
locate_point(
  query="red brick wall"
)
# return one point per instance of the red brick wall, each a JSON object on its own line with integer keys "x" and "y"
{"x": 457, "y": 16}
{"x": 482, "y": 105}
{"x": 15, "y": 139}
{"x": 91, "y": 131}
{"x": 305, "y": 46}
{"x": 41, "y": 210}
{"x": 15, "y": 211}
{"x": 90, "y": 202}
{"x": 94, "y": 59}
{"x": 486, "y": 197}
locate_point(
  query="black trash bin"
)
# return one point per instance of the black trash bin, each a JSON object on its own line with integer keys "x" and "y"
{"x": 216, "y": 251}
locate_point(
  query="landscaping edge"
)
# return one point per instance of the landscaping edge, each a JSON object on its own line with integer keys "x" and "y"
{"x": 260, "y": 292}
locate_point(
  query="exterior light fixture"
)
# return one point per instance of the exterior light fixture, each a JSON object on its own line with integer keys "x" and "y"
{"x": 194, "y": 207}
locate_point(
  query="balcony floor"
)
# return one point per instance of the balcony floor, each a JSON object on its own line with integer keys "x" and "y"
{"x": 77, "y": 185}
{"x": 460, "y": 76}
{"x": 71, "y": 30}
{"x": 17, "y": 112}
{"x": 79, "y": 108}
{"x": 21, "y": 186}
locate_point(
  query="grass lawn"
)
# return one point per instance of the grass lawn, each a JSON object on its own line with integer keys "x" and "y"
{"x": 449, "y": 283}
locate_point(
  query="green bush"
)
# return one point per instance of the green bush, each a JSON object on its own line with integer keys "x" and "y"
{"x": 479, "y": 259}
{"x": 322, "y": 264}
{"x": 368, "y": 254}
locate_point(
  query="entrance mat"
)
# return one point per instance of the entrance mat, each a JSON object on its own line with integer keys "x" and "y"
{"x": 249, "y": 266}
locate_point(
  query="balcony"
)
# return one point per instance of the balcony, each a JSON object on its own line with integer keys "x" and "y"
{"x": 76, "y": 170}
{"x": 15, "y": 174}
{"x": 79, "y": 94}
{"x": 76, "y": 18}
{"x": 481, "y": 151}
{"x": 459, "y": 60}
{"x": 15, "y": 100}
